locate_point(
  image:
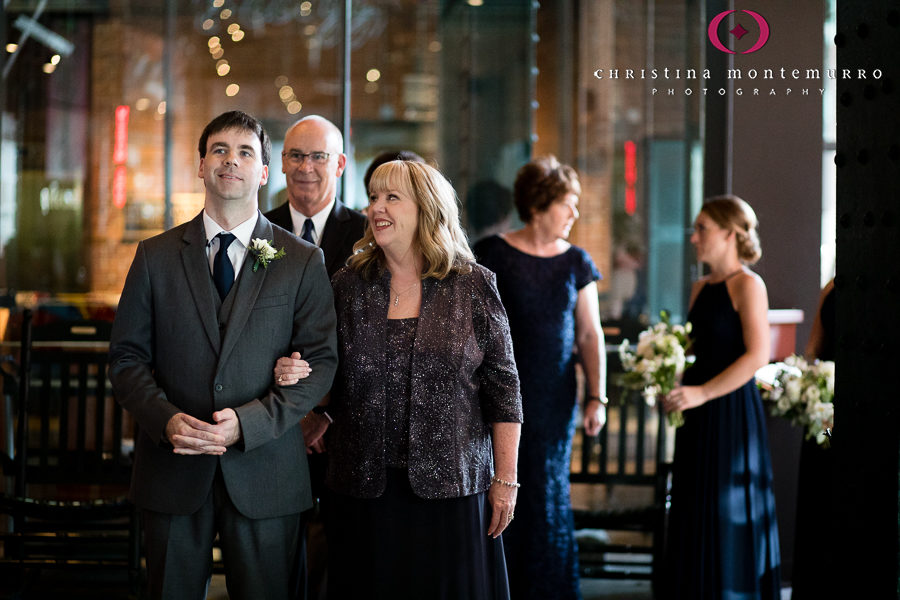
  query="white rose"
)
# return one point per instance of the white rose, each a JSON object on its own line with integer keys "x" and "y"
{"x": 678, "y": 353}
{"x": 811, "y": 395}
{"x": 263, "y": 248}
{"x": 650, "y": 393}
{"x": 645, "y": 347}
{"x": 793, "y": 389}
{"x": 783, "y": 404}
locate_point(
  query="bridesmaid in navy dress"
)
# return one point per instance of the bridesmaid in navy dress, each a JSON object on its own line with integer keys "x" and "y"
{"x": 723, "y": 536}
{"x": 549, "y": 290}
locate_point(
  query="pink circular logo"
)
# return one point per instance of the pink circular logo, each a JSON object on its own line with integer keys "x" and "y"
{"x": 738, "y": 31}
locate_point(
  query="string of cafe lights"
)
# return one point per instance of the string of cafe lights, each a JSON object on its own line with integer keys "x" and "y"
{"x": 223, "y": 68}
{"x": 48, "y": 67}
{"x": 216, "y": 51}
{"x": 285, "y": 90}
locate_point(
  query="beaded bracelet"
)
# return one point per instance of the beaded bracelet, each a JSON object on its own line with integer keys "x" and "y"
{"x": 511, "y": 484}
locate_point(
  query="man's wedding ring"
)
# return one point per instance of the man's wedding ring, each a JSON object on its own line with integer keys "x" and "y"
{"x": 279, "y": 377}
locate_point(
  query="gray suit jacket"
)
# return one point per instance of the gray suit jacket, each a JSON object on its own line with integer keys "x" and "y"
{"x": 169, "y": 353}
{"x": 343, "y": 228}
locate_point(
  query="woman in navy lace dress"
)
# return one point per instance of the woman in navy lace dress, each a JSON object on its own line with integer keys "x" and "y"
{"x": 548, "y": 287}
{"x": 723, "y": 536}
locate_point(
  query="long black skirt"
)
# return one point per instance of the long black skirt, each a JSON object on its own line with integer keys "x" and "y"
{"x": 401, "y": 546}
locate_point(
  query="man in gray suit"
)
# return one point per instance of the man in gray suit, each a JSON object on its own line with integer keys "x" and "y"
{"x": 207, "y": 309}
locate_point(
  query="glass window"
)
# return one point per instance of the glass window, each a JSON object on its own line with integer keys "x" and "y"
{"x": 634, "y": 139}
{"x": 103, "y": 103}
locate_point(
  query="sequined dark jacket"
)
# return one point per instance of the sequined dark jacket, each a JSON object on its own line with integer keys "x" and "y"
{"x": 463, "y": 379}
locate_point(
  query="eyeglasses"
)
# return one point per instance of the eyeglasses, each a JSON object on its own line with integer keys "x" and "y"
{"x": 297, "y": 158}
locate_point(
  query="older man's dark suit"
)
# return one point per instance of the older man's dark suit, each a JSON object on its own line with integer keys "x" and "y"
{"x": 343, "y": 228}
{"x": 171, "y": 351}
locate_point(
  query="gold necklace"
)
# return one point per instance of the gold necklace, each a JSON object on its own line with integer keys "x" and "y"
{"x": 397, "y": 294}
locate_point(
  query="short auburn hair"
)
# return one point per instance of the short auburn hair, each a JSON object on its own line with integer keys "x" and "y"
{"x": 542, "y": 182}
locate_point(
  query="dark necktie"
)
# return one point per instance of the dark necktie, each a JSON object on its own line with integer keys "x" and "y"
{"x": 307, "y": 233}
{"x": 223, "y": 270}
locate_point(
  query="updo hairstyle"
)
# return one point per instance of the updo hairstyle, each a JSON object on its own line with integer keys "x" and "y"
{"x": 542, "y": 182}
{"x": 731, "y": 212}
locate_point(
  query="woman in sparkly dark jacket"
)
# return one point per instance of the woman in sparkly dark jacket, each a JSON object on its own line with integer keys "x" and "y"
{"x": 426, "y": 404}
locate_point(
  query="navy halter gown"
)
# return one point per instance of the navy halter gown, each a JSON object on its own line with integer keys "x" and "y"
{"x": 723, "y": 536}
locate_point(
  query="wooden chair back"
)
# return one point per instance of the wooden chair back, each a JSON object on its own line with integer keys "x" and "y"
{"x": 72, "y": 465}
{"x": 621, "y": 528}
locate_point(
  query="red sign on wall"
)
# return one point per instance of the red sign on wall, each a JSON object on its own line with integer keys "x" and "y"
{"x": 119, "y": 187}
{"x": 120, "y": 157}
{"x": 630, "y": 177}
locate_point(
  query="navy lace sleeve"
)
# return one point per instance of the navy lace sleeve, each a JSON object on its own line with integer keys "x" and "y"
{"x": 586, "y": 271}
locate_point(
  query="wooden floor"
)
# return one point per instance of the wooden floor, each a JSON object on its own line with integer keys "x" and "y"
{"x": 51, "y": 588}
{"x": 591, "y": 589}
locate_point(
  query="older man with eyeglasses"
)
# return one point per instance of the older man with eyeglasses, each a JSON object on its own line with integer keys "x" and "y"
{"x": 312, "y": 160}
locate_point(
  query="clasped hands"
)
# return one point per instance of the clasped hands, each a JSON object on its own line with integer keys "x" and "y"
{"x": 191, "y": 436}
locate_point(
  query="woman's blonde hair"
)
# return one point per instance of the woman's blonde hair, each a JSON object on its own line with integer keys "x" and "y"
{"x": 731, "y": 212}
{"x": 439, "y": 236}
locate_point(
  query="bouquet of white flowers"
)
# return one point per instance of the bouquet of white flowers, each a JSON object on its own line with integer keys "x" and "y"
{"x": 658, "y": 361}
{"x": 803, "y": 393}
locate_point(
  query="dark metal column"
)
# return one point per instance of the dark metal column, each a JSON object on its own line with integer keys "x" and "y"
{"x": 864, "y": 531}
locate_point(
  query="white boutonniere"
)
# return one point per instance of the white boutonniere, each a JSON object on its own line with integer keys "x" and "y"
{"x": 264, "y": 252}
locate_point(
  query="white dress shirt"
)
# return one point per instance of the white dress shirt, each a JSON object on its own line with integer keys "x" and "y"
{"x": 237, "y": 251}
{"x": 319, "y": 219}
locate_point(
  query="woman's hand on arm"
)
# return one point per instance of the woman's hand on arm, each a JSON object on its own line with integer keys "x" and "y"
{"x": 290, "y": 370}
{"x": 503, "y": 491}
